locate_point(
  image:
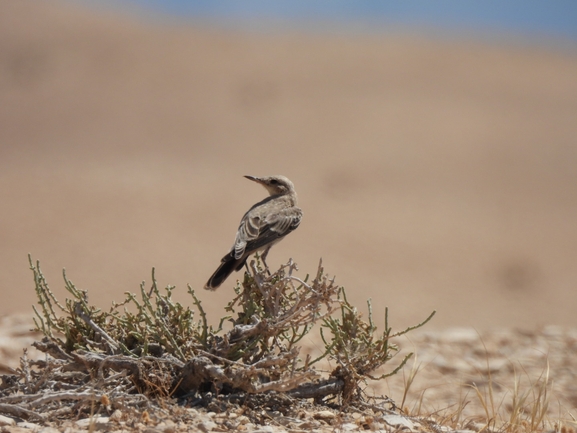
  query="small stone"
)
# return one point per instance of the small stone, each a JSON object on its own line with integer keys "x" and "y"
{"x": 460, "y": 335}
{"x": 449, "y": 366}
{"x": 399, "y": 421}
{"x": 474, "y": 426}
{"x": 493, "y": 366}
{"x": 28, "y": 425}
{"x": 324, "y": 415}
{"x": 94, "y": 421}
{"x": 553, "y": 331}
{"x": 243, "y": 419}
{"x": 167, "y": 426}
{"x": 116, "y": 415}
{"x": 349, "y": 427}
{"x": 265, "y": 429}
{"x": 49, "y": 430}
{"x": 207, "y": 426}
{"x": 309, "y": 425}
{"x": 5, "y": 420}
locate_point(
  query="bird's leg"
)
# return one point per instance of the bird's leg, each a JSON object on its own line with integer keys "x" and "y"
{"x": 263, "y": 259}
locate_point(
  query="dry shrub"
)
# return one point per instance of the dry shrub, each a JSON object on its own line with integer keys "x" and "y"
{"x": 150, "y": 347}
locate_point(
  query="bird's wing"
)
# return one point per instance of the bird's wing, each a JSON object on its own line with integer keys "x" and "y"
{"x": 248, "y": 230}
{"x": 285, "y": 221}
{"x": 256, "y": 231}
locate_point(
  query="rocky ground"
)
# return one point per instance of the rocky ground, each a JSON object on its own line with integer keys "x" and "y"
{"x": 459, "y": 379}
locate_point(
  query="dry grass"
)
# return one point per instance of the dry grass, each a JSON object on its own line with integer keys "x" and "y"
{"x": 520, "y": 400}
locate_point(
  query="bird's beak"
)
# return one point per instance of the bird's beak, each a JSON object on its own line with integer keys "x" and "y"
{"x": 255, "y": 179}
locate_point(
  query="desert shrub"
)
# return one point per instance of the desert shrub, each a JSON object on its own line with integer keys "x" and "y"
{"x": 150, "y": 346}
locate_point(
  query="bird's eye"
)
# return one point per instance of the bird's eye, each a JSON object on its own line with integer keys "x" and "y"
{"x": 274, "y": 182}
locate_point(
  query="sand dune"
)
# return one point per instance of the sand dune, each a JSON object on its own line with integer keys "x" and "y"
{"x": 433, "y": 173}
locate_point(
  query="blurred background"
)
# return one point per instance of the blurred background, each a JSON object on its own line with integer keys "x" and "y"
{"x": 433, "y": 147}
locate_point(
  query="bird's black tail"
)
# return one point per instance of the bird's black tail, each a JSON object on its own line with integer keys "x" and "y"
{"x": 227, "y": 266}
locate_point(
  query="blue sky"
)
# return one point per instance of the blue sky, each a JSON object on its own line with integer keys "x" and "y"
{"x": 533, "y": 18}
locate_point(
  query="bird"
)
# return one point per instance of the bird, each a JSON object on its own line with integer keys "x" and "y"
{"x": 263, "y": 225}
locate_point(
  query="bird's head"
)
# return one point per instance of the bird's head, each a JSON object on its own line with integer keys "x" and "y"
{"x": 275, "y": 185}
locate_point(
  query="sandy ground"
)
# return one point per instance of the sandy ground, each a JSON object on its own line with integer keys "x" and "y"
{"x": 434, "y": 173}
{"x": 462, "y": 379}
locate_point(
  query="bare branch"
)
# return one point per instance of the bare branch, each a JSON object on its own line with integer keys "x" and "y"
{"x": 21, "y": 412}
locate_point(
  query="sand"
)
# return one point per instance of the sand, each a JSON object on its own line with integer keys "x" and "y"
{"x": 435, "y": 173}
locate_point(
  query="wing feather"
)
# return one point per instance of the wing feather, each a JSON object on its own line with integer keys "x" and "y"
{"x": 255, "y": 233}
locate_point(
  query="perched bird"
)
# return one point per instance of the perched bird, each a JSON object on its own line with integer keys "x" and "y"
{"x": 265, "y": 224}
